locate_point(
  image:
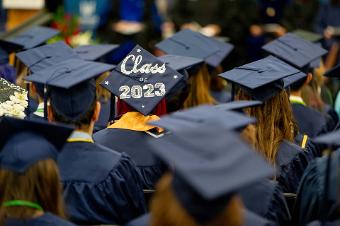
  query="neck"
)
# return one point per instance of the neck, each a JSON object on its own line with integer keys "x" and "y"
{"x": 296, "y": 93}
{"x": 86, "y": 128}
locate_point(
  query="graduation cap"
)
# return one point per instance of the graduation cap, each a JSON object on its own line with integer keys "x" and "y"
{"x": 295, "y": 50}
{"x": 141, "y": 80}
{"x": 262, "y": 79}
{"x": 28, "y": 39}
{"x": 308, "y": 35}
{"x": 179, "y": 63}
{"x": 334, "y": 72}
{"x": 331, "y": 139}
{"x": 210, "y": 164}
{"x": 204, "y": 114}
{"x": 71, "y": 90}
{"x": 288, "y": 81}
{"x": 45, "y": 56}
{"x": 94, "y": 52}
{"x": 25, "y": 142}
{"x": 238, "y": 105}
{"x": 194, "y": 44}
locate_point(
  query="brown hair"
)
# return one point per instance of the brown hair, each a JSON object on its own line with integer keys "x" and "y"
{"x": 217, "y": 83}
{"x": 39, "y": 184}
{"x": 199, "y": 89}
{"x": 167, "y": 211}
{"x": 275, "y": 122}
{"x": 102, "y": 93}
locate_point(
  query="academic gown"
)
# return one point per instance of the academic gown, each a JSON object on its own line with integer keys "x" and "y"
{"x": 309, "y": 121}
{"x": 250, "y": 219}
{"x": 319, "y": 223}
{"x": 101, "y": 186}
{"x": 291, "y": 161}
{"x": 266, "y": 199}
{"x": 310, "y": 204}
{"x": 47, "y": 219}
{"x": 134, "y": 143}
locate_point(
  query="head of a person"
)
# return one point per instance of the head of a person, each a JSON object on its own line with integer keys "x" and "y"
{"x": 76, "y": 106}
{"x": 301, "y": 83}
{"x": 28, "y": 172}
{"x": 102, "y": 93}
{"x": 275, "y": 122}
{"x": 167, "y": 210}
{"x": 198, "y": 91}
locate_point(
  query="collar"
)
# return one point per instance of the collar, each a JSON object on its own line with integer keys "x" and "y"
{"x": 296, "y": 100}
{"x": 79, "y": 136}
{"x": 40, "y": 110}
{"x": 135, "y": 121}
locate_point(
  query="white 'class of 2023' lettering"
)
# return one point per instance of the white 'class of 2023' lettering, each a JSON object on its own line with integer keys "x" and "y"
{"x": 137, "y": 91}
{"x": 144, "y": 69}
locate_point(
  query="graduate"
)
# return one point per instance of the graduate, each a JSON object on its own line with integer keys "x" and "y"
{"x": 301, "y": 54}
{"x": 211, "y": 50}
{"x": 141, "y": 82}
{"x": 262, "y": 197}
{"x": 31, "y": 193}
{"x": 101, "y": 186}
{"x": 275, "y": 129}
{"x": 202, "y": 188}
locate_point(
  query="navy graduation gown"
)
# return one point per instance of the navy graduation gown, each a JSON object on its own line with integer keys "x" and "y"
{"x": 134, "y": 143}
{"x": 101, "y": 186}
{"x": 47, "y": 219}
{"x": 319, "y": 223}
{"x": 140, "y": 221}
{"x": 291, "y": 161}
{"x": 310, "y": 202}
{"x": 309, "y": 121}
{"x": 266, "y": 199}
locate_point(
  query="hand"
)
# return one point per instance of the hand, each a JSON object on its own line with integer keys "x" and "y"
{"x": 256, "y": 30}
{"x": 192, "y": 26}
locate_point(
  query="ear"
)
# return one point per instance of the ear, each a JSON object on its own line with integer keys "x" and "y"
{"x": 50, "y": 114}
{"x": 96, "y": 112}
{"x": 309, "y": 78}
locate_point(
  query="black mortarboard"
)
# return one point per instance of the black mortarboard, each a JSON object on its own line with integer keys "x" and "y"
{"x": 295, "y": 50}
{"x": 238, "y": 105}
{"x": 262, "y": 79}
{"x": 194, "y": 44}
{"x": 25, "y": 142}
{"x": 94, "y": 52}
{"x": 307, "y": 35}
{"x": 45, "y": 56}
{"x": 28, "y": 39}
{"x": 71, "y": 89}
{"x": 179, "y": 63}
{"x": 202, "y": 115}
{"x": 210, "y": 165}
{"x": 334, "y": 72}
{"x": 141, "y": 80}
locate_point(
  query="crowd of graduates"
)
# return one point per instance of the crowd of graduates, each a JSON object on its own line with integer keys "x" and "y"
{"x": 117, "y": 134}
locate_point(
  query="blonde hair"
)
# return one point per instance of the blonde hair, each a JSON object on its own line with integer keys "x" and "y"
{"x": 102, "y": 93}
{"x": 275, "y": 123}
{"x": 167, "y": 211}
{"x": 39, "y": 184}
{"x": 199, "y": 89}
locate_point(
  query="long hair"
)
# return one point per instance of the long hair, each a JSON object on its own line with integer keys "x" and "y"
{"x": 167, "y": 211}
{"x": 275, "y": 123}
{"x": 39, "y": 184}
{"x": 199, "y": 89}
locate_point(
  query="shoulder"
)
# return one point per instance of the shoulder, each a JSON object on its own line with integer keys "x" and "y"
{"x": 49, "y": 219}
{"x": 287, "y": 151}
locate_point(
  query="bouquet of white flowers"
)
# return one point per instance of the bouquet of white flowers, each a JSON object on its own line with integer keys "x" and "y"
{"x": 13, "y": 99}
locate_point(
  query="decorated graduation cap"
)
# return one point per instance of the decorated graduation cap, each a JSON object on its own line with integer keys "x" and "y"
{"x": 261, "y": 79}
{"x": 207, "y": 176}
{"x": 194, "y": 44}
{"x": 334, "y": 72}
{"x": 295, "y": 50}
{"x": 141, "y": 80}
{"x": 28, "y": 39}
{"x": 238, "y": 105}
{"x": 94, "y": 52}
{"x": 25, "y": 142}
{"x": 45, "y": 56}
{"x": 202, "y": 115}
{"x": 71, "y": 88}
